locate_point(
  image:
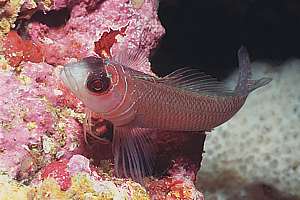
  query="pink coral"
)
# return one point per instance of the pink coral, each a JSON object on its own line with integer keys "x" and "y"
{"x": 41, "y": 121}
{"x": 86, "y": 26}
{"x": 26, "y": 113}
{"x": 79, "y": 163}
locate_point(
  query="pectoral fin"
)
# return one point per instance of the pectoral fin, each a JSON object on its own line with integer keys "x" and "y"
{"x": 133, "y": 152}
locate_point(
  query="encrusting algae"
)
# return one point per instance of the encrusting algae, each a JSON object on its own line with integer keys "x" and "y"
{"x": 82, "y": 187}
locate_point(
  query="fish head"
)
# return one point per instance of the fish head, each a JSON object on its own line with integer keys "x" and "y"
{"x": 97, "y": 84}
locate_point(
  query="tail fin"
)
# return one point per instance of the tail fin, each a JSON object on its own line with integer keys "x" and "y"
{"x": 245, "y": 85}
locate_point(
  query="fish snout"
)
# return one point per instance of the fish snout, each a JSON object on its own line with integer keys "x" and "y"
{"x": 68, "y": 79}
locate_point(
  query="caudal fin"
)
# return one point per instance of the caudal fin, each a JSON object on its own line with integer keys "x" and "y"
{"x": 245, "y": 85}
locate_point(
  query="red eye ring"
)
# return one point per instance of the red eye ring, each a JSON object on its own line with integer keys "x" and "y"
{"x": 98, "y": 85}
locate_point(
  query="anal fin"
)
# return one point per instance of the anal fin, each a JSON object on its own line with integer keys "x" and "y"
{"x": 133, "y": 152}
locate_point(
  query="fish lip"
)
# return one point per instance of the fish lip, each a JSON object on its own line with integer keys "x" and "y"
{"x": 68, "y": 79}
{"x": 63, "y": 77}
{"x": 66, "y": 76}
{"x": 62, "y": 74}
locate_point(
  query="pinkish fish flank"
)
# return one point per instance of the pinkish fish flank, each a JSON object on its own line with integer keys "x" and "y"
{"x": 139, "y": 104}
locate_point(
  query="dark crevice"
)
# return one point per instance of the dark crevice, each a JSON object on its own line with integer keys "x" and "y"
{"x": 207, "y": 34}
{"x": 53, "y": 18}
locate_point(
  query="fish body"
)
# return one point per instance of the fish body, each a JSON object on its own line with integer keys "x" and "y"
{"x": 164, "y": 107}
{"x": 139, "y": 104}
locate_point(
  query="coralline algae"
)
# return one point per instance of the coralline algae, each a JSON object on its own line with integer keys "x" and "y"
{"x": 41, "y": 133}
{"x": 87, "y": 25}
{"x": 61, "y": 181}
{"x": 32, "y": 124}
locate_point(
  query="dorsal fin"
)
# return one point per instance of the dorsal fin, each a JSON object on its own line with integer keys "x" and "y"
{"x": 194, "y": 80}
{"x": 187, "y": 79}
{"x": 131, "y": 58}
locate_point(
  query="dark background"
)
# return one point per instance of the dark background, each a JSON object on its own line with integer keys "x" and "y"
{"x": 207, "y": 34}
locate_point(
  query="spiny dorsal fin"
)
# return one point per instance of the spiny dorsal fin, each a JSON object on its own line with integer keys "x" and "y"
{"x": 186, "y": 78}
{"x": 131, "y": 58}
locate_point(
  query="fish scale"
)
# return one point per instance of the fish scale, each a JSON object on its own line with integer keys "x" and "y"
{"x": 184, "y": 111}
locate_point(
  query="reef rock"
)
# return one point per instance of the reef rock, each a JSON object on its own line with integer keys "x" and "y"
{"x": 41, "y": 123}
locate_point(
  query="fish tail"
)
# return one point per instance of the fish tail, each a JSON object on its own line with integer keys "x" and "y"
{"x": 245, "y": 85}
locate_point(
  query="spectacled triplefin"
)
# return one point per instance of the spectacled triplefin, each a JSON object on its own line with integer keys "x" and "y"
{"x": 139, "y": 104}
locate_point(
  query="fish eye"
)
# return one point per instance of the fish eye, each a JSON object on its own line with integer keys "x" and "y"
{"x": 98, "y": 85}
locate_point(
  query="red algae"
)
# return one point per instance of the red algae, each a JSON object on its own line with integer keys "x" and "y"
{"x": 17, "y": 50}
{"x": 177, "y": 185}
{"x": 58, "y": 171}
{"x": 104, "y": 44}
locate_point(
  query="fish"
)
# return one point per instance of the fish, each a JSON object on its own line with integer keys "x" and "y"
{"x": 138, "y": 104}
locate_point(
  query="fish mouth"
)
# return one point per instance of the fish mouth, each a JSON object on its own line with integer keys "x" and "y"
{"x": 68, "y": 79}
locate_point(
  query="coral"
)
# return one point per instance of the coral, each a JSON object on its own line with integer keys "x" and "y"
{"x": 8, "y": 12}
{"x": 178, "y": 184}
{"x": 41, "y": 123}
{"x": 80, "y": 185}
{"x": 142, "y": 28}
{"x": 10, "y": 189}
{"x": 31, "y": 125}
{"x": 11, "y": 10}
{"x": 260, "y": 145}
{"x": 85, "y": 182}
